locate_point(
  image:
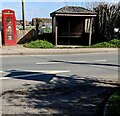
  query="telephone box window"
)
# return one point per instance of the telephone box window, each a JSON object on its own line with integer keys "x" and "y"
{"x": 9, "y": 29}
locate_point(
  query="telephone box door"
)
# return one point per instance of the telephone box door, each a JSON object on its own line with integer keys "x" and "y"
{"x": 9, "y": 27}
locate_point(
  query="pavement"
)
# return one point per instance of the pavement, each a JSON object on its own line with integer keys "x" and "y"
{"x": 20, "y": 50}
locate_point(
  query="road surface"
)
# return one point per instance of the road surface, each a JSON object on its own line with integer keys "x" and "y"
{"x": 57, "y": 84}
{"x": 17, "y": 69}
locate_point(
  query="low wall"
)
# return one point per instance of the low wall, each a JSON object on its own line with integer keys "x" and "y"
{"x": 24, "y": 36}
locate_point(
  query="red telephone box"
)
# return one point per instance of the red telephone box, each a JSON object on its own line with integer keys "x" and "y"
{"x": 9, "y": 27}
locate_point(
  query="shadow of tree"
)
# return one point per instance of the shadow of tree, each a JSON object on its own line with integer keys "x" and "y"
{"x": 69, "y": 96}
{"x": 27, "y": 75}
{"x": 87, "y": 63}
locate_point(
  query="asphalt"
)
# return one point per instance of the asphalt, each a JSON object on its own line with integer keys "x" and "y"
{"x": 20, "y": 50}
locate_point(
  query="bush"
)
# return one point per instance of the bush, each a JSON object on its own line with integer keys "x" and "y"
{"x": 114, "y": 104}
{"x": 112, "y": 43}
{"x": 39, "y": 44}
{"x": 103, "y": 44}
{"x": 116, "y": 42}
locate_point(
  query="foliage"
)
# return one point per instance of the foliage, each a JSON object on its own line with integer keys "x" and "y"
{"x": 115, "y": 42}
{"x": 39, "y": 44}
{"x": 43, "y": 20}
{"x": 103, "y": 44}
{"x": 47, "y": 30}
{"x": 114, "y": 103}
{"x": 112, "y": 43}
{"x": 44, "y": 30}
{"x": 108, "y": 17}
{"x": 26, "y": 27}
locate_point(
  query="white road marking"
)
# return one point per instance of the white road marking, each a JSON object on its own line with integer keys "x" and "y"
{"x": 18, "y": 76}
{"x": 1, "y": 71}
{"x": 3, "y": 78}
{"x": 88, "y": 61}
{"x": 76, "y": 61}
{"x": 47, "y": 71}
{"x": 47, "y": 63}
{"x": 110, "y": 68}
{"x": 42, "y": 63}
{"x": 39, "y": 72}
{"x": 100, "y": 60}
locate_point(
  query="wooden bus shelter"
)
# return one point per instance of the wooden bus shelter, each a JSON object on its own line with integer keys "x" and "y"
{"x": 71, "y": 22}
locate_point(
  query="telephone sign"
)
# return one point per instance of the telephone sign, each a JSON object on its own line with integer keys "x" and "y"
{"x": 9, "y": 27}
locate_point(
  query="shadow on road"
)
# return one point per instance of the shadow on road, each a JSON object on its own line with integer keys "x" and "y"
{"x": 61, "y": 95}
{"x": 34, "y": 76}
{"x": 87, "y": 63}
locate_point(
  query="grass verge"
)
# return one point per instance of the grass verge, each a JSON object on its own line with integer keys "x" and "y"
{"x": 114, "y": 104}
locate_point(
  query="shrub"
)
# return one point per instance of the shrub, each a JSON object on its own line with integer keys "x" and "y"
{"x": 103, "y": 44}
{"x": 39, "y": 44}
{"x": 112, "y": 43}
{"x": 116, "y": 42}
{"x": 114, "y": 103}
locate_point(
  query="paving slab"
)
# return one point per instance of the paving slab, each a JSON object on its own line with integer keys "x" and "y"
{"x": 20, "y": 50}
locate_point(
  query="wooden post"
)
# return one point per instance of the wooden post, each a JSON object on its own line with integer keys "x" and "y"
{"x": 55, "y": 30}
{"x": 23, "y": 15}
{"x": 53, "y": 24}
{"x": 90, "y": 33}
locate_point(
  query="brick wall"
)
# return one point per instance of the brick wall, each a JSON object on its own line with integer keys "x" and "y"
{"x": 24, "y": 36}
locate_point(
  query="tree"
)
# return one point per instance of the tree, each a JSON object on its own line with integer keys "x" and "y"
{"x": 108, "y": 18}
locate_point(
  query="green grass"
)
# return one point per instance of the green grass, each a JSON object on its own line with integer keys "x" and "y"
{"x": 114, "y": 109}
{"x": 39, "y": 44}
{"x": 115, "y": 43}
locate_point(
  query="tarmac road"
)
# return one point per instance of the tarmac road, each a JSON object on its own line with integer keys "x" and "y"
{"x": 103, "y": 65}
{"x": 57, "y": 84}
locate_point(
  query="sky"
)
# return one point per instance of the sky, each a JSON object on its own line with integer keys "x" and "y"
{"x": 42, "y": 9}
